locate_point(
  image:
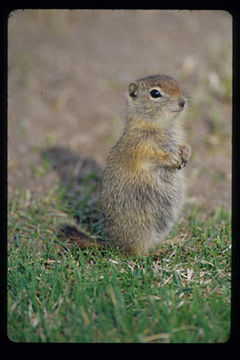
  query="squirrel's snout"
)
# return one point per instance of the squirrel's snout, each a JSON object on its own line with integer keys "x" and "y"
{"x": 181, "y": 102}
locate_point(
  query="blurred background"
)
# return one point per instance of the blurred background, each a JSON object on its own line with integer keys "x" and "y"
{"x": 68, "y": 72}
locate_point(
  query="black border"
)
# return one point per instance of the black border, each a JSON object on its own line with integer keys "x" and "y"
{"x": 5, "y": 12}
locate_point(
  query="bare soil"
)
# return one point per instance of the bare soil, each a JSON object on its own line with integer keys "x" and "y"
{"x": 68, "y": 75}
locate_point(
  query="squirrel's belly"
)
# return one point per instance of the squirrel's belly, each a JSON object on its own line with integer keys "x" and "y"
{"x": 141, "y": 215}
{"x": 169, "y": 200}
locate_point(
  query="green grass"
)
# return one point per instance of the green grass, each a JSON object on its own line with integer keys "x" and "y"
{"x": 57, "y": 295}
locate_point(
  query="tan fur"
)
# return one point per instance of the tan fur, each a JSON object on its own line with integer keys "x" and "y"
{"x": 143, "y": 184}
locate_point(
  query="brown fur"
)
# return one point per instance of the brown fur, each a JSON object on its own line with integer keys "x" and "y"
{"x": 79, "y": 237}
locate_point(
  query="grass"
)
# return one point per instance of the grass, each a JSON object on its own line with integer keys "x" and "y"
{"x": 56, "y": 295}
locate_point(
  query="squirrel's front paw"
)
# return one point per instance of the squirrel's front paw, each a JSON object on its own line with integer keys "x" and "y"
{"x": 175, "y": 161}
{"x": 179, "y": 160}
{"x": 185, "y": 153}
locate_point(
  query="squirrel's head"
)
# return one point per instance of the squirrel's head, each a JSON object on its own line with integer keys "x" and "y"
{"x": 156, "y": 98}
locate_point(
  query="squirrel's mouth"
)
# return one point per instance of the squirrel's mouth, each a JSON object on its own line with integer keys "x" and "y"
{"x": 178, "y": 110}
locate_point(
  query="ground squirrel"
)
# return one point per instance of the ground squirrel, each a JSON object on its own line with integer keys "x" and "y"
{"x": 142, "y": 189}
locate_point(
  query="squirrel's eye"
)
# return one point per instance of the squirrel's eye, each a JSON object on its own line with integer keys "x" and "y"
{"x": 155, "y": 93}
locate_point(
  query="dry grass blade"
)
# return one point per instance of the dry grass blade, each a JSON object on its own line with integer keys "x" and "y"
{"x": 155, "y": 337}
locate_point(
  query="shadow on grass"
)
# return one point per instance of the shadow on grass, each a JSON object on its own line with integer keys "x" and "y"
{"x": 79, "y": 186}
{"x": 71, "y": 168}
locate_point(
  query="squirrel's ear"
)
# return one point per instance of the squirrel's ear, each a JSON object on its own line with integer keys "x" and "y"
{"x": 133, "y": 90}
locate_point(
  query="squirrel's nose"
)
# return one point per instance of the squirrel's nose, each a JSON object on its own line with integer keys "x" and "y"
{"x": 181, "y": 102}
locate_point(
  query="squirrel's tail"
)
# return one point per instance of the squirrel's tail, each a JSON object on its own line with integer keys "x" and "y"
{"x": 72, "y": 235}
